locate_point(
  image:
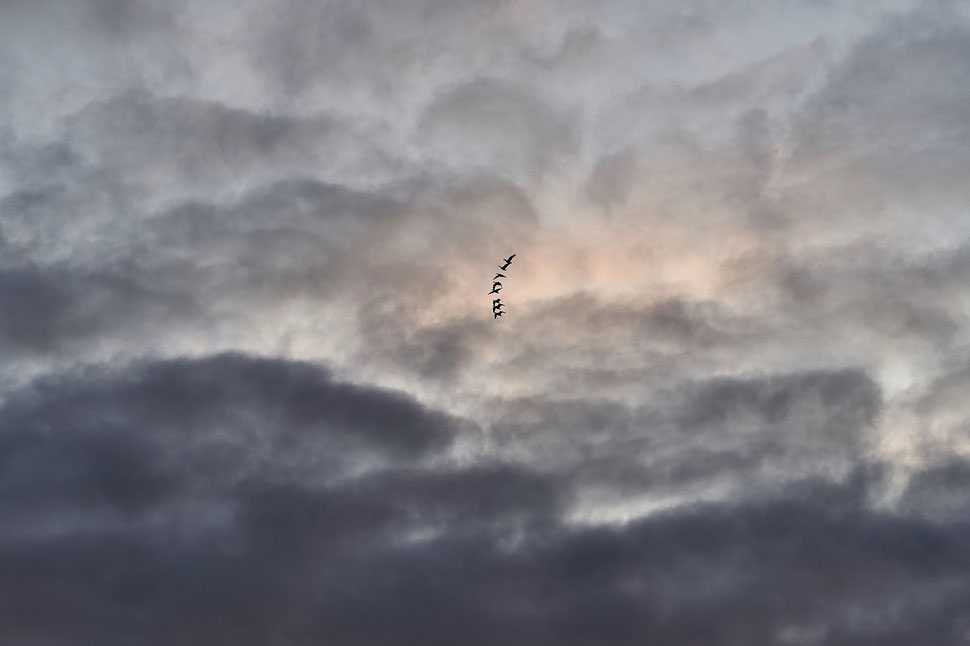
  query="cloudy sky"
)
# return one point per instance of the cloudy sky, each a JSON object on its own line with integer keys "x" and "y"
{"x": 252, "y": 392}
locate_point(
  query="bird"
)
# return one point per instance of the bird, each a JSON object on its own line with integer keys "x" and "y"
{"x": 499, "y": 276}
{"x": 496, "y": 302}
{"x": 498, "y": 314}
{"x": 508, "y": 261}
{"x": 496, "y": 291}
{"x": 498, "y": 307}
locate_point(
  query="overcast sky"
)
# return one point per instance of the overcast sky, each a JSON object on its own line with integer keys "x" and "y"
{"x": 252, "y": 391}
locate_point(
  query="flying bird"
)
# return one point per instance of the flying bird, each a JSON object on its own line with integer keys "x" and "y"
{"x": 498, "y": 307}
{"x": 499, "y": 276}
{"x": 498, "y": 314}
{"x": 494, "y": 290}
{"x": 496, "y": 302}
{"x": 508, "y": 261}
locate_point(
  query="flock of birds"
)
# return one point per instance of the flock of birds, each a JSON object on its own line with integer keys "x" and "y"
{"x": 497, "y": 287}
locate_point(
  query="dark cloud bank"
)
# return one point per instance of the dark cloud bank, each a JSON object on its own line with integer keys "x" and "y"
{"x": 136, "y": 509}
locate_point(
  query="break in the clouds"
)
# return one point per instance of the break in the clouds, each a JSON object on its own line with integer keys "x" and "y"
{"x": 252, "y": 391}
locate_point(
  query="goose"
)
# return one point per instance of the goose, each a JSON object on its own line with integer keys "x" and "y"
{"x": 508, "y": 261}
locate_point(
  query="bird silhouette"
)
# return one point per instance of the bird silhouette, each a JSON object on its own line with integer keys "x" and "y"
{"x": 496, "y": 302}
{"x": 498, "y": 307}
{"x": 496, "y": 291}
{"x": 498, "y": 314}
{"x": 508, "y": 261}
{"x": 499, "y": 276}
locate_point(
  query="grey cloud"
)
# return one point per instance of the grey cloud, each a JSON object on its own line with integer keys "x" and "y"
{"x": 739, "y": 434}
{"x": 82, "y": 41}
{"x": 441, "y": 352}
{"x": 771, "y": 400}
{"x": 885, "y": 292}
{"x": 709, "y": 449}
{"x": 612, "y": 178}
{"x": 514, "y": 128}
{"x": 193, "y": 140}
{"x": 106, "y": 468}
{"x": 383, "y": 50}
{"x": 889, "y": 124}
{"x": 307, "y": 41}
{"x": 121, "y": 439}
{"x": 670, "y": 325}
{"x": 810, "y": 561}
{"x": 883, "y": 84}
{"x": 50, "y": 309}
{"x": 280, "y": 238}
{"x": 473, "y": 501}
{"x": 185, "y": 396}
{"x": 940, "y": 493}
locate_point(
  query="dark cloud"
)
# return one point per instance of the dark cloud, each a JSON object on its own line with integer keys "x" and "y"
{"x": 940, "y": 493}
{"x": 809, "y": 564}
{"x": 121, "y": 439}
{"x": 186, "y": 396}
{"x": 53, "y": 308}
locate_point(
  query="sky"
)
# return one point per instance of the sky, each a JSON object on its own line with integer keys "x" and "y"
{"x": 252, "y": 391}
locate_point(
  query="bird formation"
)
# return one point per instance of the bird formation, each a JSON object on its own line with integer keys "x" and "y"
{"x": 497, "y": 304}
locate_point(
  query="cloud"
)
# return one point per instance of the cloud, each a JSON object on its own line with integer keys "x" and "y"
{"x": 184, "y": 142}
{"x": 513, "y": 128}
{"x": 53, "y": 309}
{"x": 873, "y": 135}
{"x": 121, "y": 439}
{"x": 310, "y": 565}
{"x": 939, "y": 493}
{"x": 252, "y": 391}
{"x": 612, "y": 178}
{"x": 724, "y": 438}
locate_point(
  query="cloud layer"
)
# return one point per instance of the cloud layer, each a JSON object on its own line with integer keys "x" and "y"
{"x": 252, "y": 392}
